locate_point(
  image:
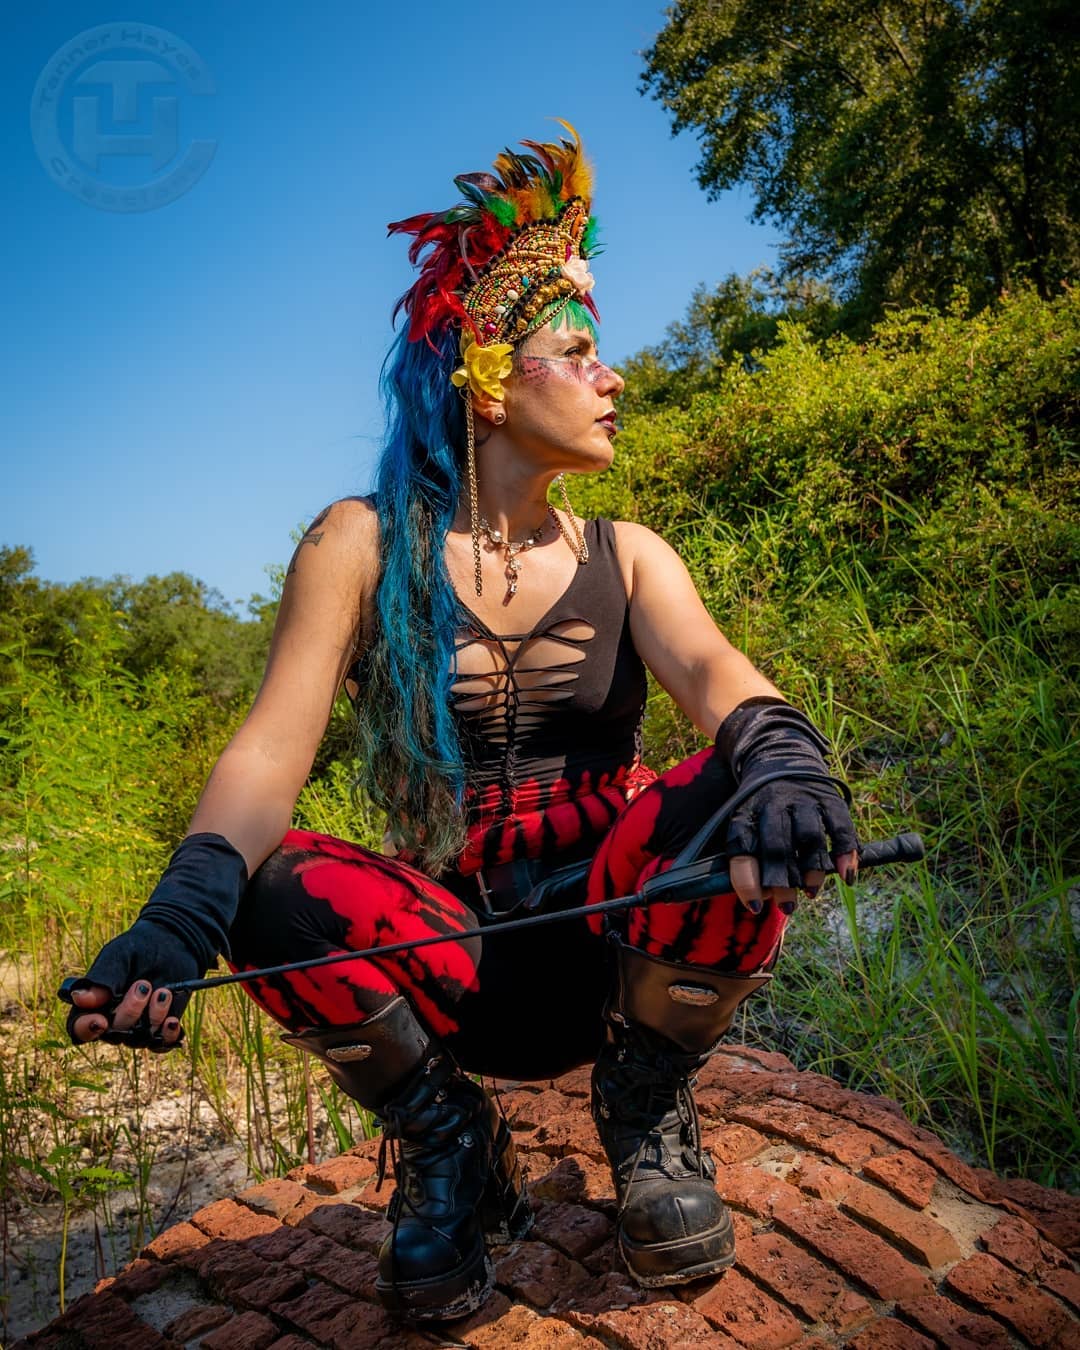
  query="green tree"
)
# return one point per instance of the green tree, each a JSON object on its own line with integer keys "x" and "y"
{"x": 906, "y": 148}
{"x": 741, "y": 316}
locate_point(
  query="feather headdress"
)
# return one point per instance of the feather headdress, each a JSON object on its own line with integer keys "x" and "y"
{"x": 516, "y": 245}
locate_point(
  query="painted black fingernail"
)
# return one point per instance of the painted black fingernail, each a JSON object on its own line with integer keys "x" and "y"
{"x": 849, "y": 876}
{"x": 171, "y": 1023}
{"x": 811, "y": 892}
{"x": 142, "y": 989}
{"x": 162, "y": 996}
{"x": 754, "y": 906}
{"x": 787, "y": 906}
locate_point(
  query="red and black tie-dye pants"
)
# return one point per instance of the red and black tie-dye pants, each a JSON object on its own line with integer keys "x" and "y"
{"x": 516, "y": 1004}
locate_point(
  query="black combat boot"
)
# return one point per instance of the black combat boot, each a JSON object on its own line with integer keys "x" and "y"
{"x": 664, "y": 1021}
{"x": 458, "y": 1180}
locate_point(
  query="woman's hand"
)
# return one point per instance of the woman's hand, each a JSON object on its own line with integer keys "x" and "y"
{"x": 90, "y": 1019}
{"x": 781, "y": 837}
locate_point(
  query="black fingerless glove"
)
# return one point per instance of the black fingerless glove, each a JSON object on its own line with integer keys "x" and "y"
{"x": 786, "y": 824}
{"x": 180, "y": 929}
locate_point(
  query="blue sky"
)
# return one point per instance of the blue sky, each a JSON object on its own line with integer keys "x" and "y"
{"x": 187, "y": 384}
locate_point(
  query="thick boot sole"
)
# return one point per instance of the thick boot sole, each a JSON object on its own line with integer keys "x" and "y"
{"x": 445, "y": 1298}
{"x": 654, "y": 1265}
{"x": 505, "y": 1212}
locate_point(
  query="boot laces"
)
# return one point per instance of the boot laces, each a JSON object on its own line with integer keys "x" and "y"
{"x": 646, "y": 1086}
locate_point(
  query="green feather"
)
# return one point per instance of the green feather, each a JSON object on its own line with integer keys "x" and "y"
{"x": 503, "y": 211}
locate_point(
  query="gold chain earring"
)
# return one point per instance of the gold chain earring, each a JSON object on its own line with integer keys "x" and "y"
{"x": 577, "y": 544}
{"x": 474, "y": 506}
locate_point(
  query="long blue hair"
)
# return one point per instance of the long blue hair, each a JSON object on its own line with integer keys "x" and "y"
{"x": 410, "y": 761}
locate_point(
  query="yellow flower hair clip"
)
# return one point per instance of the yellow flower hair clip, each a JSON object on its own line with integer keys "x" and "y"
{"x": 484, "y": 368}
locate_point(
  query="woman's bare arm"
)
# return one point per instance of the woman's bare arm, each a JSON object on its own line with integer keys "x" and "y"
{"x": 675, "y": 634}
{"x": 252, "y": 790}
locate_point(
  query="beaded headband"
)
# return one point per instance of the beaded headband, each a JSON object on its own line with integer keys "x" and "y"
{"x": 517, "y": 245}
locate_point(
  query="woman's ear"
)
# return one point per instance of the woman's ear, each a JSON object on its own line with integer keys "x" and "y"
{"x": 490, "y": 409}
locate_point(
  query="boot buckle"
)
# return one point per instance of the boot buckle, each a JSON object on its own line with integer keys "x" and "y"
{"x": 697, "y": 995}
{"x": 348, "y": 1054}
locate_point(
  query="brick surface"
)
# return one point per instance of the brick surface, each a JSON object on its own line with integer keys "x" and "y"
{"x": 917, "y": 1234}
{"x": 341, "y": 1174}
{"x": 249, "y": 1331}
{"x": 812, "y": 1128}
{"x": 654, "y": 1326}
{"x": 1036, "y": 1316}
{"x": 740, "y": 1309}
{"x": 955, "y": 1326}
{"x": 314, "y": 1310}
{"x": 184, "y": 1237}
{"x": 829, "y": 1191}
{"x": 196, "y": 1322}
{"x": 350, "y": 1225}
{"x": 536, "y": 1273}
{"x": 905, "y": 1175}
{"x": 733, "y": 1143}
{"x": 227, "y": 1219}
{"x": 573, "y": 1229}
{"x": 807, "y": 1284}
{"x": 278, "y": 1198}
{"x": 889, "y": 1334}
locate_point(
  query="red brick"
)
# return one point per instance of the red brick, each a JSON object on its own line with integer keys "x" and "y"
{"x": 280, "y": 1244}
{"x": 360, "y": 1326}
{"x": 290, "y": 1342}
{"x": 818, "y": 1292}
{"x": 917, "y": 1234}
{"x": 140, "y": 1277}
{"x": 889, "y": 1334}
{"x": 575, "y": 1230}
{"x": 536, "y": 1273}
{"x": 612, "y": 1289}
{"x": 353, "y": 1272}
{"x": 1018, "y": 1243}
{"x": 314, "y": 1310}
{"x": 653, "y": 1326}
{"x": 731, "y": 1056}
{"x": 226, "y": 1265}
{"x": 576, "y": 1083}
{"x": 195, "y": 1322}
{"x": 733, "y": 1143}
{"x": 754, "y": 1189}
{"x": 496, "y": 1306}
{"x": 905, "y": 1175}
{"x": 527, "y": 1110}
{"x": 183, "y": 1237}
{"x": 249, "y": 1331}
{"x": 351, "y": 1225}
{"x": 572, "y": 1132}
{"x": 1038, "y": 1318}
{"x": 575, "y": 1179}
{"x": 341, "y": 1174}
{"x": 953, "y": 1325}
{"x": 740, "y": 1309}
{"x": 227, "y": 1219}
{"x": 279, "y": 1282}
{"x": 1064, "y": 1283}
{"x": 812, "y": 1129}
{"x": 105, "y": 1322}
{"x": 861, "y": 1255}
{"x": 276, "y": 1197}
{"x": 1054, "y": 1213}
{"x": 886, "y": 1118}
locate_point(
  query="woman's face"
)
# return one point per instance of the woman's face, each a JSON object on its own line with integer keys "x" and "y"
{"x": 555, "y": 398}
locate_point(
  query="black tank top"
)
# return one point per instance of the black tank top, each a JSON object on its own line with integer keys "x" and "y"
{"x": 550, "y": 720}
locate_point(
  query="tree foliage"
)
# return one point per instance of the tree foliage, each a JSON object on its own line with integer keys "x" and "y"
{"x": 906, "y": 147}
